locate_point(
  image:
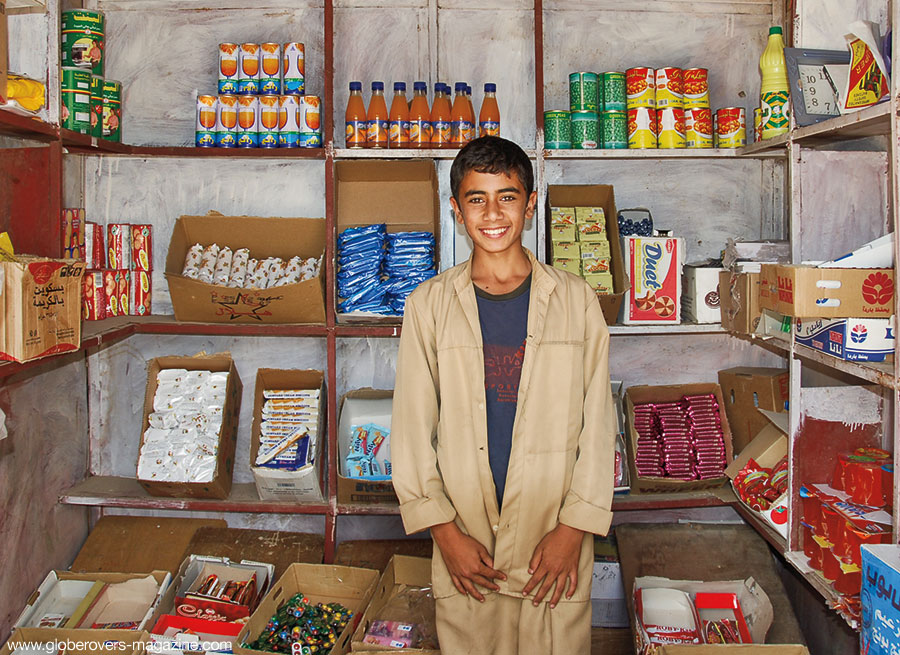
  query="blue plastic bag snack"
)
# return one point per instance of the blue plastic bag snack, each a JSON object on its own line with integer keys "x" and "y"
{"x": 365, "y": 443}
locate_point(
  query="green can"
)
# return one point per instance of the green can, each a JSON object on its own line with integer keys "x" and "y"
{"x": 97, "y": 106}
{"x": 584, "y": 92}
{"x": 557, "y": 130}
{"x": 614, "y": 129}
{"x": 585, "y": 130}
{"x": 112, "y": 110}
{"x": 82, "y": 41}
{"x": 613, "y": 88}
{"x": 75, "y": 99}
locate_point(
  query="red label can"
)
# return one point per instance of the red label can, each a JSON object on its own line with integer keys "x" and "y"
{"x": 118, "y": 240}
{"x": 94, "y": 248}
{"x": 698, "y": 127}
{"x": 731, "y": 127}
{"x": 139, "y": 293}
{"x": 670, "y": 127}
{"x": 142, "y": 247}
{"x": 93, "y": 296}
{"x": 642, "y": 127}
{"x": 669, "y": 88}
{"x": 695, "y": 83}
{"x": 639, "y": 87}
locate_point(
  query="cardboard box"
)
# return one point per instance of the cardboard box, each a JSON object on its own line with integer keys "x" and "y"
{"x": 735, "y": 649}
{"x": 566, "y": 250}
{"x": 41, "y": 300}
{"x": 220, "y": 486}
{"x": 807, "y": 291}
{"x": 573, "y": 266}
{"x": 880, "y": 581}
{"x": 197, "y": 568}
{"x": 351, "y": 587}
{"x": 597, "y": 195}
{"x": 661, "y": 394}
{"x": 854, "y": 339}
{"x": 739, "y": 301}
{"x": 774, "y": 325}
{"x": 305, "y": 484}
{"x": 180, "y": 634}
{"x": 700, "y": 294}
{"x": 402, "y": 571}
{"x": 654, "y": 266}
{"x": 747, "y": 389}
{"x": 193, "y": 300}
{"x": 608, "y": 606}
{"x": 358, "y": 407}
{"x": 79, "y": 642}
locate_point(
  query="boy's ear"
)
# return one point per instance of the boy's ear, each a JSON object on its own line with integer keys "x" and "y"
{"x": 456, "y": 213}
{"x": 531, "y": 205}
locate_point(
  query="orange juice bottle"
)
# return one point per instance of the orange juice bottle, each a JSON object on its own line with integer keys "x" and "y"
{"x": 399, "y": 118}
{"x": 355, "y": 118}
{"x": 377, "y": 133}
{"x": 470, "y": 131}
{"x": 440, "y": 117}
{"x": 419, "y": 118}
{"x": 460, "y": 117}
{"x": 489, "y": 116}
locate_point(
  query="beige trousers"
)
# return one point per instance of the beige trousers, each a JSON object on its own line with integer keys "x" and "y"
{"x": 506, "y": 625}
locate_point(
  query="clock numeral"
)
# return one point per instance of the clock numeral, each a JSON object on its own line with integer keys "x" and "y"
{"x": 814, "y": 101}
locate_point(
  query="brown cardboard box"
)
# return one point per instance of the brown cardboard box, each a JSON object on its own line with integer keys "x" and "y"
{"x": 735, "y": 649}
{"x": 739, "y": 301}
{"x": 662, "y": 394}
{"x": 304, "y": 485}
{"x": 401, "y": 572}
{"x": 597, "y": 195}
{"x": 810, "y": 292}
{"x": 80, "y": 642}
{"x": 193, "y": 300}
{"x": 745, "y": 389}
{"x": 356, "y": 490}
{"x": 321, "y": 583}
{"x": 220, "y": 486}
{"x": 41, "y": 301}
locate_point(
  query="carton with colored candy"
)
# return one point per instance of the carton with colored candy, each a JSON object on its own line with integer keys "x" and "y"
{"x": 654, "y": 266}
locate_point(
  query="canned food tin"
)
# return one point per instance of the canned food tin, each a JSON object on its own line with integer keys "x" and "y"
{"x": 584, "y": 92}
{"x": 669, "y": 88}
{"x": 614, "y": 129}
{"x": 557, "y": 130}
{"x": 757, "y": 124}
{"x": 585, "y": 130}
{"x": 228, "y": 68}
{"x": 226, "y": 121}
{"x": 82, "y": 41}
{"x": 695, "y": 84}
{"x": 670, "y": 127}
{"x": 97, "y": 106}
{"x": 715, "y": 119}
{"x": 248, "y": 69}
{"x": 612, "y": 86}
{"x": 248, "y": 122}
{"x": 112, "y": 110}
{"x": 309, "y": 121}
{"x": 206, "y": 121}
{"x": 731, "y": 127}
{"x": 639, "y": 87}
{"x": 698, "y": 127}
{"x": 75, "y": 100}
{"x": 268, "y": 121}
{"x": 288, "y": 129}
{"x": 641, "y": 127}
{"x": 270, "y": 69}
{"x": 293, "y": 69}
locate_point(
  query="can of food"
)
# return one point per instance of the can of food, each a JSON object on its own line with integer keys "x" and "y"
{"x": 75, "y": 99}
{"x": 585, "y": 130}
{"x": 670, "y": 127}
{"x": 93, "y": 298}
{"x": 293, "y": 69}
{"x": 142, "y": 247}
{"x": 288, "y": 128}
{"x": 309, "y": 120}
{"x": 557, "y": 130}
{"x": 248, "y": 122}
{"x": 695, "y": 84}
{"x": 584, "y": 92}
{"x": 639, "y": 87}
{"x": 669, "y": 88}
{"x": 206, "y": 121}
{"x": 757, "y": 124}
{"x": 642, "y": 127}
{"x": 248, "y": 69}
{"x": 731, "y": 127}
{"x": 228, "y": 68}
{"x": 139, "y": 293}
{"x": 715, "y": 119}
{"x": 226, "y": 121}
{"x": 270, "y": 69}
{"x": 698, "y": 129}
{"x": 97, "y": 106}
{"x": 614, "y": 130}
{"x": 112, "y": 110}
{"x": 82, "y": 41}
{"x": 118, "y": 243}
{"x": 612, "y": 87}
{"x": 268, "y": 121}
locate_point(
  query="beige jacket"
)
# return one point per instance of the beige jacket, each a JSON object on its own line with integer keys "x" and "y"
{"x": 563, "y": 444}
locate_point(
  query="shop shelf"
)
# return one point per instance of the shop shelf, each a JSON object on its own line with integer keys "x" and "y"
{"x": 765, "y": 531}
{"x": 13, "y": 123}
{"x": 800, "y": 562}
{"x": 404, "y": 153}
{"x": 663, "y": 153}
{"x": 881, "y": 373}
{"x": 871, "y": 121}
{"x": 166, "y": 324}
{"x": 80, "y": 144}
{"x": 774, "y": 145}
{"x": 26, "y": 6}
{"x": 393, "y": 330}
{"x": 76, "y": 142}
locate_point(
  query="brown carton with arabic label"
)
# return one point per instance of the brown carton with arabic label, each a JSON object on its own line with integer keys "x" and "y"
{"x": 812, "y": 292}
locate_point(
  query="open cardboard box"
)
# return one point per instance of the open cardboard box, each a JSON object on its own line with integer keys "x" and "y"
{"x": 356, "y": 408}
{"x": 305, "y": 484}
{"x": 220, "y": 486}
{"x": 197, "y": 568}
{"x": 596, "y": 195}
{"x": 193, "y": 300}
{"x": 739, "y": 301}
{"x": 78, "y": 642}
{"x": 747, "y": 389}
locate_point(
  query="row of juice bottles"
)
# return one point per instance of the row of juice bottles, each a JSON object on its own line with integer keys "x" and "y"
{"x": 413, "y": 124}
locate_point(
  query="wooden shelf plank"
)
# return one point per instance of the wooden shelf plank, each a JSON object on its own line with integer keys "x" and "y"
{"x": 166, "y": 324}
{"x": 871, "y": 121}
{"x": 769, "y": 147}
{"x": 78, "y": 142}
{"x": 764, "y": 529}
{"x": 85, "y": 145}
{"x": 388, "y": 330}
{"x": 881, "y": 373}
{"x": 15, "y": 124}
{"x": 800, "y": 562}
{"x": 405, "y": 153}
{"x": 650, "y": 153}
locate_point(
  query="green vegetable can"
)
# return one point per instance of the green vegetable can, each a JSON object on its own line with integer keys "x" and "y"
{"x": 584, "y": 92}
{"x": 585, "y": 130}
{"x": 557, "y": 130}
{"x": 614, "y": 130}
{"x": 612, "y": 86}
{"x": 75, "y": 99}
{"x": 112, "y": 110}
{"x": 82, "y": 41}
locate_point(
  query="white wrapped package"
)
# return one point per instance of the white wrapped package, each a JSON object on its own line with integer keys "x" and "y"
{"x": 191, "y": 266}
{"x": 223, "y": 266}
{"x": 239, "y": 263}
{"x": 208, "y": 263}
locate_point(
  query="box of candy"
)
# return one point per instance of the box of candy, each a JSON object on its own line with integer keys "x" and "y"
{"x": 364, "y": 449}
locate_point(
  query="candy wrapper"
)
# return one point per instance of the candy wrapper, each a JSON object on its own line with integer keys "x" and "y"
{"x": 208, "y": 263}
{"x": 239, "y": 265}
{"x": 365, "y": 443}
{"x": 289, "y": 428}
{"x": 301, "y": 626}
{"x": 222, "y": 272}
{"x": 192, "y": 261}
{"x": 405, "y": 621}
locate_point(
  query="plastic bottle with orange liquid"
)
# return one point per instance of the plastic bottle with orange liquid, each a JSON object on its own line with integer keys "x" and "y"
{"x": 399, "y": 118}
{"x": 377, "y": 136}
{"x": 470, "y": 133}
{"x": 440, "y": 117}
{"x": 461, "y": 117}
{"x": 419, "y": 117}
{"x": 489, "y": 116}
{"x": 355, "y": 119}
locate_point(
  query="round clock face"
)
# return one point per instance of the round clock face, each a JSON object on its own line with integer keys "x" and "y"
{"x": 819, "y": 95}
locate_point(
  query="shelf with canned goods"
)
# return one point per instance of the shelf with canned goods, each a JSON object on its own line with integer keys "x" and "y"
{"x": 405, "y": 153}
{"x": 13, "y": 123}
{"x": 76, "y": 143}
{"x": 656, "y": 153}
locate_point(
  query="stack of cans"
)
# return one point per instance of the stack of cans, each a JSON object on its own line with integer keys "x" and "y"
{"x": 596, "y": 114}
{"x": 668, "y": 108}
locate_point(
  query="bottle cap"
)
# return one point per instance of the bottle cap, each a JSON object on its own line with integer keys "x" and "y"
{"x": 399, "y": 86}
{"x": 460, "y": 87}
{"x": 438, "y": 87}
{"x": 378, "y": 86}
{"x": 490, "y": 88}
{"x": 419, "y": 86}
{"x": 775, "y": 30}
{"x": 356, "y": 86}
{"x": 468, "y": 90}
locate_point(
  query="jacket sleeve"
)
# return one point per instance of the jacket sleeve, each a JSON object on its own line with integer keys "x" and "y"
{"x": 416, "y": 477}
{"x": 588, "y": 503}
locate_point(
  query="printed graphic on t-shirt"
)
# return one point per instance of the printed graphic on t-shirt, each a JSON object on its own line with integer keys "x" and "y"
{"x": 502, "y": 370}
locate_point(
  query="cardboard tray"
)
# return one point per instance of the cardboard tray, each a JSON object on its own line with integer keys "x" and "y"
{"x": 358, "y": 490}
{"x": 82, "y": 642}
{"x": 192, "y": 300}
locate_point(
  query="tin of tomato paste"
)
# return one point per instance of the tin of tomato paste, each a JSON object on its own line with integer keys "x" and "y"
{"x": 248, "y": 69}
{"x": 731, "y": 127}
{"x": 698, "y": 127}
{"x": 139, "y": 293}
{"x": 248, "y": 122}
{"x": 118, "y": 241}
{"x": 293, "y": 69}
{"x": 695, "y": 85}
{"x": 642, "y": 127}
{"x": 268, "y": 121}
{"x": 309, "y": 122}
{"x": 226, "y": 121}
{"x": 93, "y": 297}
{"x": 82, "y": 39}
{"x": 206, "y": 121}
{"x": 288, "y": 129}
{"x": 270, "y": 69}
{"x": 670, "y": 127}
{"x": 640, "y": 88}
{"x": 75, "y": 99}
{"x": 557, "y": 130}
{"x": 228, "y": 68}
{"x": 142, "y": 247}
{"x": 669, "y": 88}
{"x": 584, "y": 92}
{"x": 112, "y": 110}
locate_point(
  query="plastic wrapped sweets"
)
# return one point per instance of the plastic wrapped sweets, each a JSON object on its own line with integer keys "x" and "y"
{"x": 366, "y": 441}
{"x": 289, "y": 428}
{"x": 182, "y": 442}
{"x": 237, "y": 269}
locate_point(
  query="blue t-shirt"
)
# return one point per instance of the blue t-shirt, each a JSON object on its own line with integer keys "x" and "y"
{"x": 504, "y": 327}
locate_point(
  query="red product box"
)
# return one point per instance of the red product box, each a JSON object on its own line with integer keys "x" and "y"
{"x": 93, "y": 296}
{"x": 118, "y": 241}
{"x": 142, "y": 247}
{"x": 115, "y": 288}
{"x": 654, "y": 267}
{"x": 139, "y": 293}
{"x": 72, "y": 229}
{"x": 94, "y": 248}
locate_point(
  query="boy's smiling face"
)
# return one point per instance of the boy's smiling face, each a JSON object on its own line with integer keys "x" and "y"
{"x": 493, "y": 207}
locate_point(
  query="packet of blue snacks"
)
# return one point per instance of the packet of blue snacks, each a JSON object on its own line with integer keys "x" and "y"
{"x": 359, "y": 262}
{"x": 365, "y": 442}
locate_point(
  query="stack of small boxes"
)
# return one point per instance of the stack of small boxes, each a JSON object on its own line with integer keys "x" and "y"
{"x": 290, "y": 423}
{"x": 581, "y": 245}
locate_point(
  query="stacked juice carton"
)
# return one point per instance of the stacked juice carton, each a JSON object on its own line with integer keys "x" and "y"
{"x": 581, "y": 245}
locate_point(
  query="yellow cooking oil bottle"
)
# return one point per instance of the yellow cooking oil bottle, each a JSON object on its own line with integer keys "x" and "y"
{"x": 774, "y": 95}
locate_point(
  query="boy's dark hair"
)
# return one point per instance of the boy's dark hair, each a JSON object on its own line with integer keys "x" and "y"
{"x": 491, "y": 154}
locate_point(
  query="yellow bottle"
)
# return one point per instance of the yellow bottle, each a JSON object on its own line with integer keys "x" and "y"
{"x": 774, "y": 97}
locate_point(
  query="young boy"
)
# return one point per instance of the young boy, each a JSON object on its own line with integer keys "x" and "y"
{"x": 502, "y": 434}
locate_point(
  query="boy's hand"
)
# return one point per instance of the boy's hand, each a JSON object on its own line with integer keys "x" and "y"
{"x": 467, "y": 560}
{"x": 555, "y": 560}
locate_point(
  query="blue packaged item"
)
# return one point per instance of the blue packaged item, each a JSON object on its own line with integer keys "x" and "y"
{"x": 351, "y": 233}
{"x": 299, "y": 460}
